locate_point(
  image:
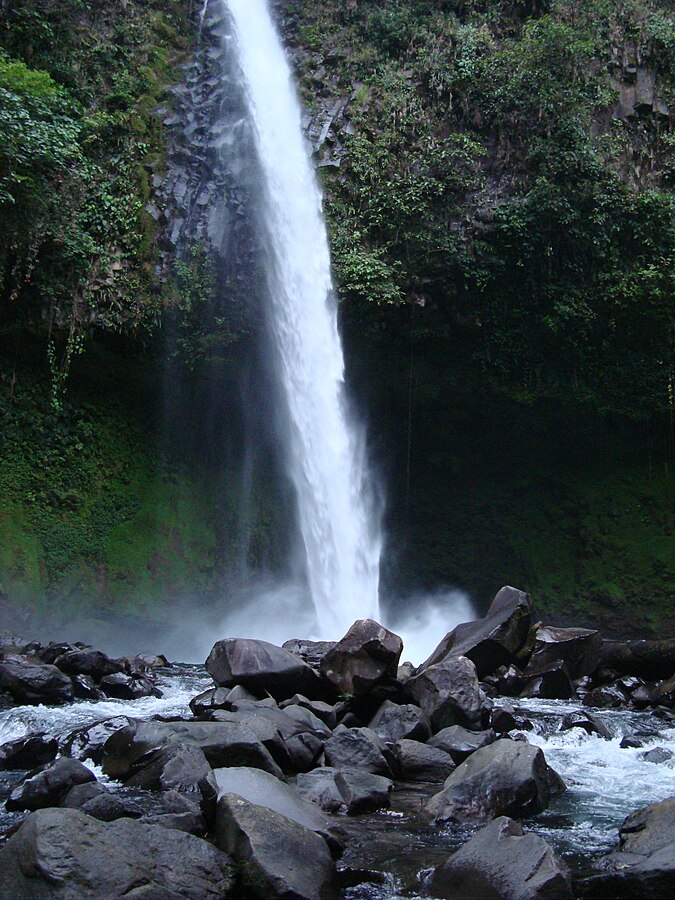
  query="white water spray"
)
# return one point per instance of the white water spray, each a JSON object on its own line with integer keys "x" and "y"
{"x": 325, "y": 450}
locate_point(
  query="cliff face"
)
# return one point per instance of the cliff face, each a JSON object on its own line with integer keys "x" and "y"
{"x": 498, "y": 186}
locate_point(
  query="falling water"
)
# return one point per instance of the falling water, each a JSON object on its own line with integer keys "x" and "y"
{"x": 325, "y": 450}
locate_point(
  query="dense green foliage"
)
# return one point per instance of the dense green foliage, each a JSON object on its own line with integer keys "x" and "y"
{"x": 491, "y": 173}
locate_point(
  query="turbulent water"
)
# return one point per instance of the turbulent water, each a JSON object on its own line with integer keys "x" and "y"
{"x": 325, "y": 450}
{"x": 605, "y": 784}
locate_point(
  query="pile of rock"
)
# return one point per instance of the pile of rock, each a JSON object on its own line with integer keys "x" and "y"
{"x": 59, "y": 673}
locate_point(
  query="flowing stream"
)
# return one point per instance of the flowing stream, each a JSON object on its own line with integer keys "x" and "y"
{"x": 324, "y": 448}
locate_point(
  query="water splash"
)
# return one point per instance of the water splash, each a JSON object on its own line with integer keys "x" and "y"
{"x": 325, "y": 450}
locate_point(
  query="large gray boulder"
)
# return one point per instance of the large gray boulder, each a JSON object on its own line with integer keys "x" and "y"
{"x": 393, "y": 722}
{"x": 31, "y": 682}
{"x": 66, "y": 854}
{"x": 48, "y": 786}
{"x": 644, "y": 864}
{"x": 263, "y": 789}
{"x": 260, "y": 666}
{"x": 28, "y": 752}
{"x": 130, "y": 749}
{"x": 460, "y": 743}
{"x": 88, "y": 742}
{"x": 88, "y": 661}
{"x": 579, "y": 648}
{"x": 449, "y": 693}
{"x": 182, "y": 768}
{"x": 421, "y": 763}
{"x": 362, "y": 791}
{"x": 501, "y": 861}
{"x": 275, "y": 857}
{"x": 507, "y": 778}
{"x": 492, "y": 641}
{"x": 356, "y": 748}
{"x": 366, "y": 657}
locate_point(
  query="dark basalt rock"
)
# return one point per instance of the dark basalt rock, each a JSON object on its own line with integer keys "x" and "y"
{"x": 311, "y": 652}
{"x": 98, "y": 802}
{"x": 630, "y": 743}
{"x": 366, "y": 657}
{"x": 275, "y": 857}
{"x": 586, "y": 721}
{"x": 265, "y": 790}
{"x": 88, "y": 743}
{"x": 501, "y": 861}
{"x": 644, "y": 865}
{"x": 88, "y": 662}
{"x": 579, "y": 648}
{"x": 260, "y": 666}
{"x": 28, "y": 752}
{"x": 223, "y": 743}
{"x": 657, "y": 755}
{"x": 357, "y": 748}
{"x": 362, "y": 791}
{"x": 418, "y": 762}
{"x": 604, "y": 698}
{"x": 66, "y": 854}
{"x": 652, "y": 660}
{"x": 493, "y": 641}
{"x": 393, "y": 722}
{"x": 507, "y": 778}
{"x": 183, "y": 769}
{"x": 28, "y": 681}
{"x": 449, "y": 693}
{"x": 48, "y": 786}
{"x": 460, "y": 743}
{"x": 203, "y": 704}
{"x": 319, "y": 708}
{"x": 129, "y": 687}
{"x": 550, "y": 683}
{"x": 84, "y": 688}
{"x": 319, "y": 787}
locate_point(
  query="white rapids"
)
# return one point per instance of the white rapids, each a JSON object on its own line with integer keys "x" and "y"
{"x": 325, "y": 449}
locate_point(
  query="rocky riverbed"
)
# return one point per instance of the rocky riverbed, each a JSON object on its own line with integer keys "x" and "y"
{"x": 327, "y": 770}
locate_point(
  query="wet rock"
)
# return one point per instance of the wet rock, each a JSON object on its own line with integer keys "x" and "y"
{"x": 52, "y": 651}
{"x": 97, "y": 801}
{"x": 129, "y": 687}
{"x": 579, "y": 648}
{"x": 312, "y": 652}
{"x": 549, "y": 683}
{"x": 657, "y": 755}
{"x": 356, "y": 748}
{"x": 319, "y": 787}
{"x": 393, "y": 722}
{"x": 179, "y": 812}
{"x": 319, "y": 708}
{"x": 604, "y": 698}
{"x": 48, "y": 786}
{"x": 492, "y": 641}
{"x": 28, "y": 752}
{"x": 652, "y": 660}
{"x": 88, "y": 742}
{"x": 422, "y": 763}
{"x": 460, "y": 743}
{"x": 275, "y": 857}
{"x": 448, "y": 693}
{"x": 507, "y": 778}
{"x": 64, "y": 853}
{"x": 362, "y": 791}
{"x": 664, "y": 694}
{"x": 84, "y": 688}
{"x": 587, "y": 722}
{"x": 89, "y": 662}
{"x": 630, "y": 743}
{"x": 644, "y": 865}
{"x": 33, "y": 683}
{"x": 181, "y": 768}
{"x": 501, "y": 861}
{"x": 207, "y": 701}
{"x": 153, "y": 661}
{"x": 503, "y": 719}
{"x": 223, "y": 744}
{"x": 257, "y": 665}
{"x": 267, "y": 791}
{"x": 367, "y": 656}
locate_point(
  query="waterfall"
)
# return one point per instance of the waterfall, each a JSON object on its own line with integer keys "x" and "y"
{"x": 324, "y": 448}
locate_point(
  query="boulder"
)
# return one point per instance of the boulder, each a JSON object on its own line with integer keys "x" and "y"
{"x": 88, "y": 662}
{"x": 492, "y": 641}
{"x": 551, "y": 682}
{"x": 356, "y": 748}
{"x": 644, "y": 864}
{"x": 129, "y": 687}
{"x": 97, "y": 801}
{"x": 34, "y": 683}
{"x": 179, "y": 812}
{"x": 312, "y": 652}
{"x": 657, "y": 755}
{"x": 501, "y": 861}
{"x": 153, "y": 660}
{"x": 48, "y": 786}
{"x": 604, "y": 698}
{"x": 88, "y": 742}
{"x": 275, "y": 857}
{"x": 319, "y": 787}
{"x": 460, "y": 743}
{"x": 28, "y": 752}
{"x": 84, "y": 688}
{"x": 422, "y": 763}
{"x": 579, "y": 648}
{"x": 66, "y": 854}
{"x": 393, "y": 722}
{"x": 319, "y": 708}
{"x": 652, "y": 660}
{"x": 206, "y": 702}
{"x": 265, "y": 790}
{"x": 260, "y": 666}
{"x": 448, "y": 693}
{"x": 182, "y": 768}
{"x": 128, "y": 750}
{"x": 362, "y": 791}
{"x": 366, "y": 657}
{"x": 507, "y": 778}
{"x": 664, "y": 693}
{"x": 586, "y": 721}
